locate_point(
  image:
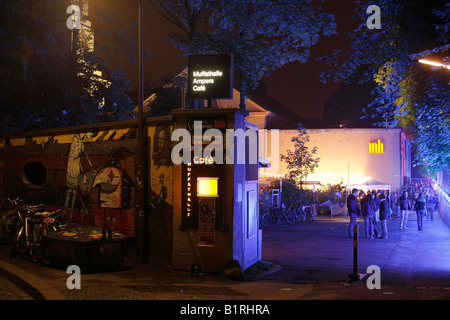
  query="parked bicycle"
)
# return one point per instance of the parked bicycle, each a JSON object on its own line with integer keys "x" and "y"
{"x": 8, "y": 219}
{"x": 274, "y": 215}
{"x": 291, "y": 215}
{"x": 306, "y": 214}
{"x": 33, "y": 226}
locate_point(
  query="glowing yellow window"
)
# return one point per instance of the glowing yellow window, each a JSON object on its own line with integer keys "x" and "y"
{"x": 207, "y": 187}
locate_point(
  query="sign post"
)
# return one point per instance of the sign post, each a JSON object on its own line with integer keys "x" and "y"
{"x": 355, "y": 276}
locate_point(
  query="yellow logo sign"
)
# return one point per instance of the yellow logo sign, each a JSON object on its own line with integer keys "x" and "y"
{"x": 376, "y": 147}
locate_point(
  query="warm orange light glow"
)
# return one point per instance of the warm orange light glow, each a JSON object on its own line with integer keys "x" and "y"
{"x": 207, "y": 187}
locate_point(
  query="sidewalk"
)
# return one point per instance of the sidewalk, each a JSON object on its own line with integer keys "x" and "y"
{"x": 311, "y": 261}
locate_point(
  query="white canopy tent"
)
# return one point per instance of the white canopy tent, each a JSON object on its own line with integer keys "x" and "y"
{"x": 370, "y": 184}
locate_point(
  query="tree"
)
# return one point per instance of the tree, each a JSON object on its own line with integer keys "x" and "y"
{"x": 262, "y": 35}
{"x": 407, "y": 95}
{"x": 49, "y": 81}
{"x": 300, "y": 161}
{"x": 168, "y": 95}
{"x": 15, "y": 27}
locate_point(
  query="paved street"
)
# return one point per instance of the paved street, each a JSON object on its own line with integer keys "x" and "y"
{"x": 310, "y": 262}
{"x": 323, "y": 252}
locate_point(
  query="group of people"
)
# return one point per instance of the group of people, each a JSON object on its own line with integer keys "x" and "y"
{"x": 376, "y": 206}
{"x": 373, "y": 208}
{"x": 423, "y": 200}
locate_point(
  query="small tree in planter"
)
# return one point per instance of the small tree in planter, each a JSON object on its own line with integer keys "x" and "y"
{"x": 301, "y": 161}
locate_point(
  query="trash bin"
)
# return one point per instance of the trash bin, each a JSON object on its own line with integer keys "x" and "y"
{"x": 83, "y": 246}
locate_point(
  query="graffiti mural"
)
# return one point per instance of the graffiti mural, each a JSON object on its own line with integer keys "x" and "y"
{"x": 75, "y": 173}
{"x": 110, "y": 181}
{"x": 89, "y": 172}
{"x": 113, "y": 188}
{"x": 123, "y": 189}
{"x": 158, "y": 203}
{"x": 162, "y": 147}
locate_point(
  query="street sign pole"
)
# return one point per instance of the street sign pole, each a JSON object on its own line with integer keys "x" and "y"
{"x": 355, "y": 276}
{"x": 141, "y": 219}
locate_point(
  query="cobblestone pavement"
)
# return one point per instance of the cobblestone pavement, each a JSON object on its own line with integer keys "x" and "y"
{"x": 11, "y": 291}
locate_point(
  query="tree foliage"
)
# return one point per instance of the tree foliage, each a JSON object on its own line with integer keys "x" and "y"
{"x": 407, "y": 94}
{"x": 262, "y": 35}
{"x": 47, "y": 81}
{"x": 300, "y": 161}
{"x": 168, "y": 95}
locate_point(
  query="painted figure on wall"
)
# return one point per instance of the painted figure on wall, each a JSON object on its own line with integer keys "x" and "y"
{"x": 74, "y": 168}
{"x": 110, "y": 181}
{"x": 206, "y": 217}
{"x": 162, "y": 147}
{"x": 158, "y": 202}
{"x": 115, "y": 184}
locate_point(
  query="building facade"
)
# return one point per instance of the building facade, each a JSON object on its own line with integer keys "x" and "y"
{"x": 91, "y": 172}
{"x": 347, "y": 156}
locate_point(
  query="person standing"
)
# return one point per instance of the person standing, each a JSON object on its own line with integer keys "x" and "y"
{"x": 369, "y": 215}
{"x": 376, "y": 216}
{"x": 420, "y": 210}
{"x": 405, "y": 206}
{"x": 397, "y": 204}
{"x": 429, "y": 204}
{"x": 384, "y": 206}
{"x": 353, "y": 211}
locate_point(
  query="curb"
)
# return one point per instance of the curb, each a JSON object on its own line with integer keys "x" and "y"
{"x": 273, "y": 268}
{"x": 37, "y": 288}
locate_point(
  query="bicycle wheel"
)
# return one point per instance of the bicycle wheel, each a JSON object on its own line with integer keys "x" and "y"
{"x": 262, "y": 221}
{"x": 19, "y": 244}
{"x": 310, "y": 217}
{"x": 294, "y": 216}
{"x": 291, "y": 217}
{"x": 281, "y": 217}
{"x": 266, "y": 218}
{"x": 301, "y": 215}
{"x": 10, "y": 227}
{"x": 38, "y": 246}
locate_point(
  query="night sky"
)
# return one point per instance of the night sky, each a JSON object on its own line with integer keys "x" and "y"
{"x": 296, "y": 85}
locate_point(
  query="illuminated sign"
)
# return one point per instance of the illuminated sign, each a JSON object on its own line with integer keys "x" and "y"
{"x": 206, "y": 160}
{"x": 202, "y": 198}
{"x": 210, "y": 76}
{"x": 376, "y": 147}
{"x": 207, "y": 187}
{"x": 188, "y": 189}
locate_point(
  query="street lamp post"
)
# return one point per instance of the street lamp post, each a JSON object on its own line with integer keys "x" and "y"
{"x": 141, "y": 218}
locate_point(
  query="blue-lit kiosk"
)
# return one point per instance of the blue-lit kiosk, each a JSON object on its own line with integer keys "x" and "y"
{"x": 216, "y": 212}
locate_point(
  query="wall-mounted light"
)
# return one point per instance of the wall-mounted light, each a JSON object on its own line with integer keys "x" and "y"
{"x": 207, "y": 187}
